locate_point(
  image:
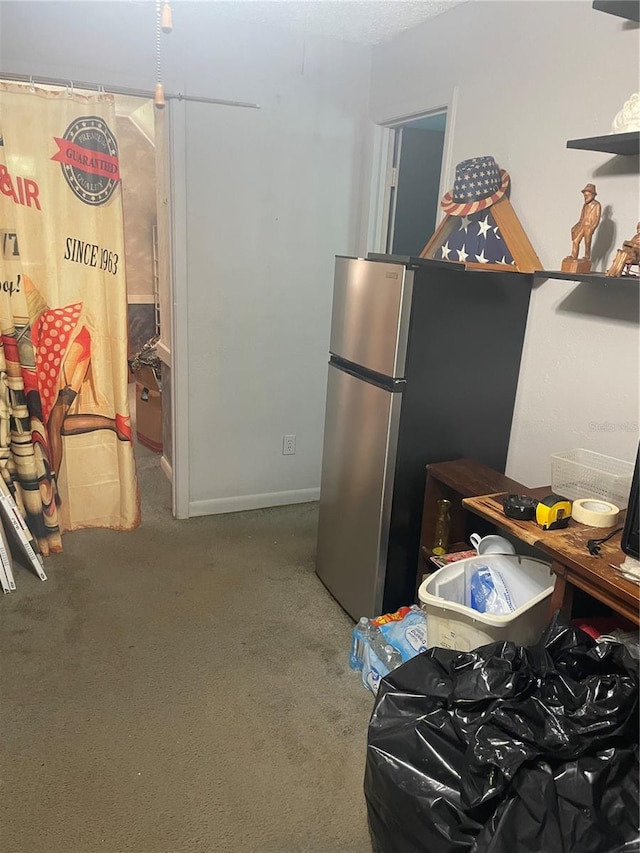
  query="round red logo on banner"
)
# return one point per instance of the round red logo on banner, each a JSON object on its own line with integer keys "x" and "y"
{"x": 88, "y": 155}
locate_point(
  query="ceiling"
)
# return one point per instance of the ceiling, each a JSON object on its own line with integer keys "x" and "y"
{"x": 363, "y": 21}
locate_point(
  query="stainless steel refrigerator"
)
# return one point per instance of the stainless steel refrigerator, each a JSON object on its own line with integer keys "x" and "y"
{"x": 423, "y": 368}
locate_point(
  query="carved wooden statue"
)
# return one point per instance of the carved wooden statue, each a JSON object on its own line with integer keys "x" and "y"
{"x": 627, "y": 256}
{"x": 583, "y": 230}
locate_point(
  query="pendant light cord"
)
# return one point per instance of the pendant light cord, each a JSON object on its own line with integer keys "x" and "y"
{"x": 159, "y": 95}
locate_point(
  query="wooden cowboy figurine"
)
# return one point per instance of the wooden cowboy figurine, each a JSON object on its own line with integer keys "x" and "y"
{"x": 583, "y": 230}
{"x": 589, "y": 219}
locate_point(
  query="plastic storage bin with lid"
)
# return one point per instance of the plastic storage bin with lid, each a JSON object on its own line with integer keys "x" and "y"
{"x": 453, "y": 624}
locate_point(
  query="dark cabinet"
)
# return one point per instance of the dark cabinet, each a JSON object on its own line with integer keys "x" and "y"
{"x": 470, "y": 327}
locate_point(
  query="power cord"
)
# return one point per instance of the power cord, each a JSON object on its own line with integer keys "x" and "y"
{"x": 594, "y": 544}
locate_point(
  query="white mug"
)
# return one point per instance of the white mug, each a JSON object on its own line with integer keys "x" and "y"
{"x": 491, "y": 544}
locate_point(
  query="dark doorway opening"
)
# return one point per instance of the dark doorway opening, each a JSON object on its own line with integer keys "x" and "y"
{"x": 414, "y": 198}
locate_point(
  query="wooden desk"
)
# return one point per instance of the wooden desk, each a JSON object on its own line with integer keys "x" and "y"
{"x": 570, "y": 558}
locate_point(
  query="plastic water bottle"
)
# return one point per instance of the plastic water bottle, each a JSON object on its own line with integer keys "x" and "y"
{"x": 391, "y": 657}
{"x": 385, "y": 652}
{"x": 360, "y": 637}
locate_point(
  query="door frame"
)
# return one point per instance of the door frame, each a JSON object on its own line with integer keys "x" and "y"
{"x": 383, "y": 175}
{"x": 381, "y": 186}
{"x": 178, "y": 286}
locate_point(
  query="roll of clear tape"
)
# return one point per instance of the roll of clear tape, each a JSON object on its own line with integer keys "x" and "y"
{"x": 595, "y": 512}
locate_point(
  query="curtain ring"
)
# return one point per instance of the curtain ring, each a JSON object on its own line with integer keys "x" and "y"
{"x": 70, "y": 89}
{"x": 31, "y": 86}
{"x": 101, "y": 92}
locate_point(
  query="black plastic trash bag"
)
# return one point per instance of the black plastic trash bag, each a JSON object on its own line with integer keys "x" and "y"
{"x": 507, "y": 749}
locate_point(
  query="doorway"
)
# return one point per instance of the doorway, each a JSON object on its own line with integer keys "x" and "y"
{"x": 138, "y": 154}
{"x": 418, "y": 146}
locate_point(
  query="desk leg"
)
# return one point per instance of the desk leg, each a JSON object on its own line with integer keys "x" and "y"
{"x": 562, "y": 597}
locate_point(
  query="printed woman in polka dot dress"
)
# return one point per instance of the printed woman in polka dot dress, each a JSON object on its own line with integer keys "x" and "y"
{"x": 62, "y": 344}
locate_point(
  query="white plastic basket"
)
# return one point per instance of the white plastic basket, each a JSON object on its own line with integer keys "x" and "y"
{"x": 581, "y": 473}
{"x": 451, "y": 624}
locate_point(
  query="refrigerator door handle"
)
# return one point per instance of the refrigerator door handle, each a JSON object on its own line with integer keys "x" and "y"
{"x": 387, "y": 383}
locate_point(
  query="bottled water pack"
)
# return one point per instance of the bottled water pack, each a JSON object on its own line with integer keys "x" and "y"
{"x": 380, "y": 645}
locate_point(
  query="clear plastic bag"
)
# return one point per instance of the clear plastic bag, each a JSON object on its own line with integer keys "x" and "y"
{"x": 489, "y": 592}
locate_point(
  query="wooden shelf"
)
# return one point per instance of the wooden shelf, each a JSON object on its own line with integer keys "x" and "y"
{"x": 411, "y": 261}
{"x": 598, "y": 277}
{"x": 629, "y": 9}
{"x": 626, "y": 144}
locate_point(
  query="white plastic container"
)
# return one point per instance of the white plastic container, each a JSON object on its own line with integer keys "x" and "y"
{"x": 581, "y": 473}
{"x": 451, "y": 624}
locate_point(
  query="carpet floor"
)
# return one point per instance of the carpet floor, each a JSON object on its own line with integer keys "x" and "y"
{"x": 183, "y": 688}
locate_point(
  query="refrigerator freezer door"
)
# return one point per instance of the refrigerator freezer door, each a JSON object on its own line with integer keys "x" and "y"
{"x": 361, "y": 430}
{"x": 371, "y": 314}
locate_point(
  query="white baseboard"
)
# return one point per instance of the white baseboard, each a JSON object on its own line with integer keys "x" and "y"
{"x": 166, "y": 467}
{"x": 216, "y": 506}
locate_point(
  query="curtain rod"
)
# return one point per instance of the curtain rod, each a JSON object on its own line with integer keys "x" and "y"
{"x": 120, "y": 90}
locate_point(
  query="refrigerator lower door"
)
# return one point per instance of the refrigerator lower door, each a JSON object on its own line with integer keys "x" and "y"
{"x": 361, "y": 432}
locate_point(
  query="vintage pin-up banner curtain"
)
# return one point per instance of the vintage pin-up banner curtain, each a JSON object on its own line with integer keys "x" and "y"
{"x": 65, "y": 437}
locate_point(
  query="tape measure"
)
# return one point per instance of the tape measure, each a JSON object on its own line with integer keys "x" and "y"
{"x": 553, "y": 512}
{"x": 521, "y": 507}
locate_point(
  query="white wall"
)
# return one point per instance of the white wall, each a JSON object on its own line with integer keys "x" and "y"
{"x": 529, "y": 76}
{"x": 271, "y": 196}
{"x": 276, "y": 196}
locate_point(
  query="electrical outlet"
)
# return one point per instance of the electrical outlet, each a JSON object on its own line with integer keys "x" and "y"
{"x": 288, "y": 445}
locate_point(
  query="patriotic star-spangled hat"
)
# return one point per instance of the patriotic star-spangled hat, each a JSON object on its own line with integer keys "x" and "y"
{"x": 478, "y": 184}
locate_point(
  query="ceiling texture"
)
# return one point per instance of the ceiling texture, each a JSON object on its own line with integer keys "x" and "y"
{"x": 362, "y": 21}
